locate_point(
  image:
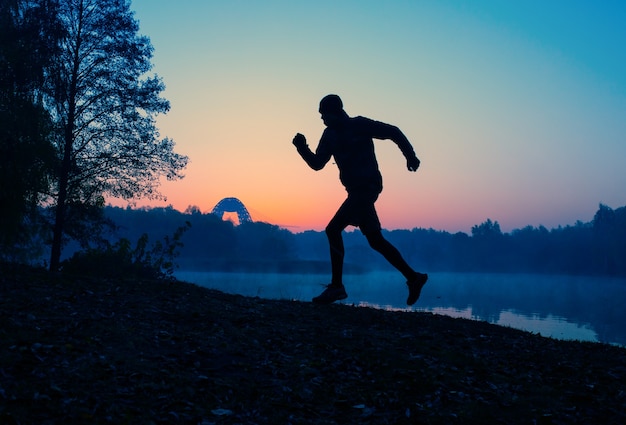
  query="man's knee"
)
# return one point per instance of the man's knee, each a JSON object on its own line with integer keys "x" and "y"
{"x": 376, "y": 239}
{"x": 332, "y": 232}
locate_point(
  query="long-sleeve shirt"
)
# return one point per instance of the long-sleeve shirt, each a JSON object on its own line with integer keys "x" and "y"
{"x": 352, "y": 146}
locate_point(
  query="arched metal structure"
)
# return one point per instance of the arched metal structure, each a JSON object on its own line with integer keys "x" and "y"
{"x": 232, "y": 205}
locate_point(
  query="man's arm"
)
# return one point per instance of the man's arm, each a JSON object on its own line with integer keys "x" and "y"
{"x": 381, "y": 130}
{"x": 316, "y": 160}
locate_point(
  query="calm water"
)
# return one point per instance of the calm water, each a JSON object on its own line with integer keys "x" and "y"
{"x": 564, "y": 307}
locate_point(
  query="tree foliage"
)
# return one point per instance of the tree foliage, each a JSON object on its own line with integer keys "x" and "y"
{"x": 103, "y": 102}
{"x": 27, "y": 44}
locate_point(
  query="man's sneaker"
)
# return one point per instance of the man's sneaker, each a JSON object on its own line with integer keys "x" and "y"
{"x": 415, "y": 287}
{"x": 331, "y": 294}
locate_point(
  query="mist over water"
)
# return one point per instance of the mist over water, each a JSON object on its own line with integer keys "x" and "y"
{"x": 563, "y": 307}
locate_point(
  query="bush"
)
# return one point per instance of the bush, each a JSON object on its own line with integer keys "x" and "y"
{"x": 121, "y": 260}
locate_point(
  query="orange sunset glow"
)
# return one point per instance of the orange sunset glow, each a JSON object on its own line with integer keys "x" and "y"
{"x": 512, "y": 119}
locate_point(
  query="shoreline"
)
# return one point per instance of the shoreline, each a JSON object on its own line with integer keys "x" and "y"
{"x": 438, "y": 297}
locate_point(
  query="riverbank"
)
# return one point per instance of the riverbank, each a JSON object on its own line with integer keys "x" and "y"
{"x": 84, "y": 350}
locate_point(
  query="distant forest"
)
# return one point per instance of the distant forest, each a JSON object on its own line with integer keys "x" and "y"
{"x": 585, "y": 248}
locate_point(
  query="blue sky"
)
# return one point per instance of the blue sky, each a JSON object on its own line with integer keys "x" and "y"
{"x": 516, "y": 109}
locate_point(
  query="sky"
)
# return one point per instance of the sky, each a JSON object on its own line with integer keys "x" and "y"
{"x": 516, "y": 109}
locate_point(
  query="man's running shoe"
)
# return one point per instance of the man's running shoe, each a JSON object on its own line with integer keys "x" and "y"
{"x": 331, "y": 294}
{"x": 415, "y": 287}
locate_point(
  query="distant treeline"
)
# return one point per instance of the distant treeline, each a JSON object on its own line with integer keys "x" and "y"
{"x": 585, "y": 248}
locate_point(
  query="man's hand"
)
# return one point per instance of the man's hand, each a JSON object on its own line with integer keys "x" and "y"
{"x": 412, "y": 163}
{"x": 299, "y": 141}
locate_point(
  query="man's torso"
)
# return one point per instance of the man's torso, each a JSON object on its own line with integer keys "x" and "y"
{"x": 353, "y": 150}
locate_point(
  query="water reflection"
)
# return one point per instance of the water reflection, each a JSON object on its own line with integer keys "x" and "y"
{"x": 563, "y": 307}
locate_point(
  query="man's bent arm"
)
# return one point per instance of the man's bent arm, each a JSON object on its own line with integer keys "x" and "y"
{"x": 316, "y": 160}
{"x": 393, "y": 133}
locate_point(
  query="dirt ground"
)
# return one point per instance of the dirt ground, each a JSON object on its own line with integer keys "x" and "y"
{"x": 97, "y": 351}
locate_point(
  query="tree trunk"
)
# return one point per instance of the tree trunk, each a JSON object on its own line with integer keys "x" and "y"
{"x": 64, "y": 172}
{"x": 61, "y": 207}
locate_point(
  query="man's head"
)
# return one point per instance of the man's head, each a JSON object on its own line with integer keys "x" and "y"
{"x": 331, "y": 103}
{"x": 331, "y": 108}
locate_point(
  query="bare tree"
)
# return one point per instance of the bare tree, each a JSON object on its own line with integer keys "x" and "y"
{"x": 104, "y": 102}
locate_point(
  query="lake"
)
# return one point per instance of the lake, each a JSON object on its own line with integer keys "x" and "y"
{"x": 563, "y": 307}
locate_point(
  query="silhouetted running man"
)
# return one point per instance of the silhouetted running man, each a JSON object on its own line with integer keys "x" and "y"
{"x": 350, "y": 141}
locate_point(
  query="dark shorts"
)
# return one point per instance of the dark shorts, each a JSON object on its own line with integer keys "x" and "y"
{"x": 357, "y": 210}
